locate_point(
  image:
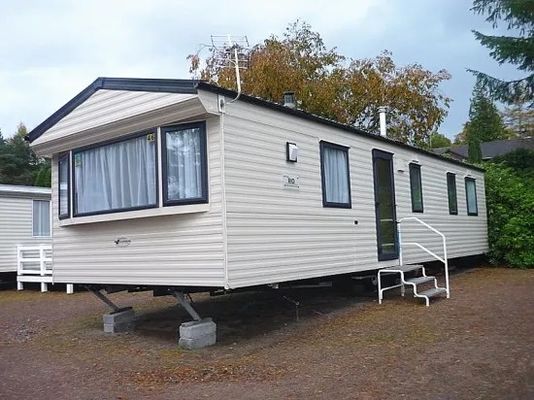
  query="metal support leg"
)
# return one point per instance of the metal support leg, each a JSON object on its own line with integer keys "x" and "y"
{"x": 105, "y": 300}
{"x": 296, "y": 303}
{"x": 44, "y": 287}
{"x": 186, "y": 305}
{"x": 20, "y": 285}
{"x": 403, "y": 289}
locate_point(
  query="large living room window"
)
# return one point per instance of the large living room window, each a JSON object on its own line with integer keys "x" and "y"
{"x": 118, "y": 176}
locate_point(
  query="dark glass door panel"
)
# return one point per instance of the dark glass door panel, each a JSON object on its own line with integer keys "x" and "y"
{"x": 386, "y": 226}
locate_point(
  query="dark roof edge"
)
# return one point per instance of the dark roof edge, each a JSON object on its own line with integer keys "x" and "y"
{"x": 190, "y": 86}
{"x": 312, "y": 117}
{"x": 134, "y": 84}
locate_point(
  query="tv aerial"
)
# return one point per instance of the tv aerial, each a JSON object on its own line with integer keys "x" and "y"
{"x": 230, "y": 52}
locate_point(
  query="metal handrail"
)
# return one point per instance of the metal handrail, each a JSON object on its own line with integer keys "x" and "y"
{"x": 444, "y": 241}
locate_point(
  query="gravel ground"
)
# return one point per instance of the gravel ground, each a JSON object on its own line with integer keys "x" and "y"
{"x": 477, "y": 345}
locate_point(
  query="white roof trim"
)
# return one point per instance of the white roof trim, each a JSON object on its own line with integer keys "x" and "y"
{"x": 24, "y": 190}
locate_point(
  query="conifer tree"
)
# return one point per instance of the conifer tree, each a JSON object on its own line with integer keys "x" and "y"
{"x": 517, "y": 50}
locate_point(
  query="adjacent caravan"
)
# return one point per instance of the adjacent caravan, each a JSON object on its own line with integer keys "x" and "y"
{"x": 171, "y": 184}
{"x": 25, "y": 223}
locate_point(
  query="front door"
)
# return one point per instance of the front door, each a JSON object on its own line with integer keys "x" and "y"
{"x": 386, "y": 225}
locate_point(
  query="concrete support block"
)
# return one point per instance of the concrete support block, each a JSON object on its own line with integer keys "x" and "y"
{"x": 119, "y": 321}
{"x": 197, "y": 334}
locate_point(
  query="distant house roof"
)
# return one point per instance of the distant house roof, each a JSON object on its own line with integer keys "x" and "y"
{"x": 24, "y": 191}
{"x": 489, "y": 149}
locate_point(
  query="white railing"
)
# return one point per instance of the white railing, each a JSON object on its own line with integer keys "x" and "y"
{"x": 34, "y": 264}
{"x": 444, "y": 242}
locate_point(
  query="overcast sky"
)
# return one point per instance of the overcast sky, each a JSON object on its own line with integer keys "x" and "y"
{"x": 50, "y": 50}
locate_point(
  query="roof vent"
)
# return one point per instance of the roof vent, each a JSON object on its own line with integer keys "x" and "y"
{"x": 289, "y": 100}
{"x": 383, "y": 130}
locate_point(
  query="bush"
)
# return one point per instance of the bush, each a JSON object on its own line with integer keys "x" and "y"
{"x": 510, "y": 202}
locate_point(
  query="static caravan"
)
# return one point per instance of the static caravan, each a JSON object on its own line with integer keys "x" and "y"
{"x": 178, "y": 184}
{"x": 25, "y": 224}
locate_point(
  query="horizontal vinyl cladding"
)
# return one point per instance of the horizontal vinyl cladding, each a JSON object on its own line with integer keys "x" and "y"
{"x": 185, "y": 249}
{"x": 16, "y": 229}
{"x": 276, "y": 234}
{"x": 107, "y": 106}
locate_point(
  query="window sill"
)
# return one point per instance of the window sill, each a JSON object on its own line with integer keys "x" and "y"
{"x": 126, "y": 215}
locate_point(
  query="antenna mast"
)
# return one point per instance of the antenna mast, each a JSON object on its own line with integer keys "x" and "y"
{"x": 231, "y": 52}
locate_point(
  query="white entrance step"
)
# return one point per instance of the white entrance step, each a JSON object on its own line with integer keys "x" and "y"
{"x": 433, "y": 292}
{"x": 403, "y": 268}
{"x": 420, "y": 280}
{"x": 413, "y": 282}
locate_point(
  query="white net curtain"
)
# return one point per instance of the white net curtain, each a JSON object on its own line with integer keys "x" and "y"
{"x": 184, "y": 164}
{"x": 116, "y": 176}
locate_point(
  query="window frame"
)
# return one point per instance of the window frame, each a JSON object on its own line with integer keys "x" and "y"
{"x": 204, "y": 198}
{"x": 411, "y": 167}
{"x": 470, "y": 179}
{"x": 453, "y": 176}
{"x": 107, "y": 143}
{"x": 63, "y": 157}
{"x": 49, "y": 219}
{"x": 322, "y": 145}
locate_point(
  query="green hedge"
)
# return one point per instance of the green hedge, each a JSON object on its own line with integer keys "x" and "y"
{"x": 510, "y": 202}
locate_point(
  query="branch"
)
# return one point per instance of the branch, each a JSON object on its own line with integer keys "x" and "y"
{"x": 506, "y": 91}
{"x": 515, "y": 50}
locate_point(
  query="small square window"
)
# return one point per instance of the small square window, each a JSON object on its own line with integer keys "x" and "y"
{"x": 335, "y": 175}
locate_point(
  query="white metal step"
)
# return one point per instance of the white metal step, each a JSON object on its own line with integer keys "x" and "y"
{"x": 433, "y": 292}
{"x": 420, "y": 280}
{"x": 403, "y": 268}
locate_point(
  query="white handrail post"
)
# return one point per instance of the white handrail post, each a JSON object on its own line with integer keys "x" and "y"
{"x": 399, "y": 224}
{"x": 20, "y": 285}
{"x": 446, "y": 262}
{"x": 42, "y": 265}
{"x": 19, "y": 263}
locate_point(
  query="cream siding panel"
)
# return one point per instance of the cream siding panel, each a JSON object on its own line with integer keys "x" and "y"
{"x": 277, "y": 234}
{"x": 181, "y": 250}
{"x": 16, "y": 229}
{"x": 108, "y": 106}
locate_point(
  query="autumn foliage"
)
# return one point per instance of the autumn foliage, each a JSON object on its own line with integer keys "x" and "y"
{"x": 331, "y": 85}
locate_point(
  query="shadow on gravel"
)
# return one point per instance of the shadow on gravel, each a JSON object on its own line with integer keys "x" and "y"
{"x": 248, "y": 315}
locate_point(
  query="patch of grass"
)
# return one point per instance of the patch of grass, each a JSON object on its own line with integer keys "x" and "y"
{"x": 9, "y": 296}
